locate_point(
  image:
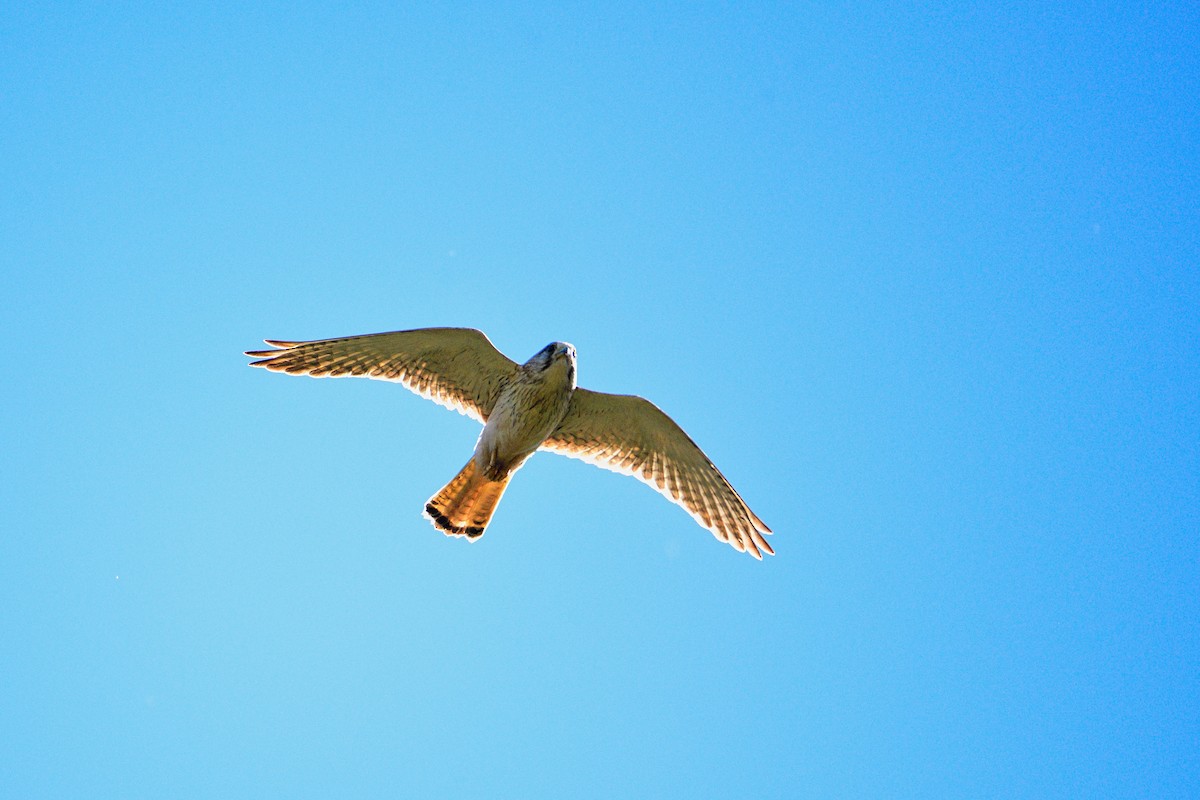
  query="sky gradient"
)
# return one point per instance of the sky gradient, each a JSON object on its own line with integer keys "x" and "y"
{"x": 922, "y": 282}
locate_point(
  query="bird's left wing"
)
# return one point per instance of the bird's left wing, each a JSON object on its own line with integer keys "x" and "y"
{"x": 631, "y": 435}
{"x": 458, "y": 368}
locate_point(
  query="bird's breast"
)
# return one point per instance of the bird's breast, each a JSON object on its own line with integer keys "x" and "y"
{"x": 524, "y": 415}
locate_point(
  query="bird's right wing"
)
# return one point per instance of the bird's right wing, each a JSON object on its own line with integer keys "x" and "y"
{"x": 631, "y": 435}
{"x": 458, "y": 368}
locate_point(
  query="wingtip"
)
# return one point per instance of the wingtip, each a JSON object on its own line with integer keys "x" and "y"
{"x": 761, "y": 542}
{"x": 268, "y": 355}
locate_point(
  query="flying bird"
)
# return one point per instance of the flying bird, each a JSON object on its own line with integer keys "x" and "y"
{"x": 525, "y": 408}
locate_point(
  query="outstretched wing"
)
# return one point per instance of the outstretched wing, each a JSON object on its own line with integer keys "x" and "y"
{"x": 633, "y": 436}
{"x": 456, "y": 367}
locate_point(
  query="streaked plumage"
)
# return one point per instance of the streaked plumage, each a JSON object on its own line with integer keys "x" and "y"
{"x": 524, "y": 408}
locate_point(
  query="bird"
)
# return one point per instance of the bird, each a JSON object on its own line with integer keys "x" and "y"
{"x": 525, "y": 408}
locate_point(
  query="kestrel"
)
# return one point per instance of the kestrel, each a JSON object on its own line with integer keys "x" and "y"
{"x": 525, "y": 408}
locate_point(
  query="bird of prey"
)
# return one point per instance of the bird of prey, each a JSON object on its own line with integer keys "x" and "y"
{"x": 525, "y": 408}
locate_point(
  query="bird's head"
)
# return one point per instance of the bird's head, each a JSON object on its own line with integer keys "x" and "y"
{"x": 555, "y": 354}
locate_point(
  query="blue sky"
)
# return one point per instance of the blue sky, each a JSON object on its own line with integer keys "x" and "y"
{"x": 921, "y": 281}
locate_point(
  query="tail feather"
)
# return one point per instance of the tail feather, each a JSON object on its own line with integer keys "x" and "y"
{"x": 465, "y": 505}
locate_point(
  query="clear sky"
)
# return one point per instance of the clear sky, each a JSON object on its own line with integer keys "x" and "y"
{"x": 923, "y": 282}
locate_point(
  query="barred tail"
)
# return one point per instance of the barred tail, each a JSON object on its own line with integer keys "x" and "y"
{"x": 465, "y": 505}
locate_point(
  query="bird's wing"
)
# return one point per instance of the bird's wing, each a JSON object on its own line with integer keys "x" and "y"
{"x": 456, "y": 367}
{"x": 633, "y": 436}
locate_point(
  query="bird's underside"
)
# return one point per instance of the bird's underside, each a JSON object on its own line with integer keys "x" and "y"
{"x": 525, "y": 408}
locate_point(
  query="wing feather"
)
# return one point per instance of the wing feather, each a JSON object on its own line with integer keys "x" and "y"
{"x": 458, "y": 368}
{"x": 631, "y": 435}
